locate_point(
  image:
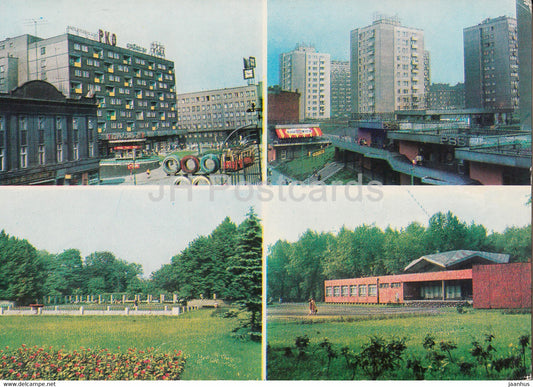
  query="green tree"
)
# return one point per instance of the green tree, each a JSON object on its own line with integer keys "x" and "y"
{"x": 69, "y": 270}
{"x": 339, "y": 255}
{"x": 446, "y": 232}
{"x": 53, "y": 282}
{"x": 306, "y": 265}
{"x": 515, "y": 241}
{"x": 22, "y": 273}
{"x": 402, "y": 246}
{"x": 277, "y": 277}
{"x": 165, "y": 278}
{"x": 104, "y": 273}
{"x": 200, "y": 269}
{"x": 222, "y": 246}
{"x": 190, "y": 269}
{"x": 246, "y": 268}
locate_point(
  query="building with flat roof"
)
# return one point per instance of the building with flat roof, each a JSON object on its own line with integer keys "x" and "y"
{"x": 388, "y": 67}
{"x": 134, "y": 87}
{"x": 47, "y": 138}
{"x": 437, "y": 147}
{"x": 8, "y": 74}
{"x": 444, "y": 96}
{"x": 491, "y": 64}
{"x": 523, "y": 17}
{"x": 341, "y": 90}
{"x": 486, "y": 280}
{"x": 283, "y": 106}
{"x": 305, "y": 71}
{"x": 208, "y": 117}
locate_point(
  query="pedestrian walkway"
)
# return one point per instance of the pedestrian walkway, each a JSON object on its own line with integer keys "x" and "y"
{"x": 329, "y": 170}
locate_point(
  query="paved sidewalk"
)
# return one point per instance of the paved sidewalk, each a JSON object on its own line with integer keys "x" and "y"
{"x": 325, "y": 173}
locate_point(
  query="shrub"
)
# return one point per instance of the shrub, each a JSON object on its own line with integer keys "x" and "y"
{"x": 301, "y": 342}
{"x": 380, "y": 356}
{"x": 38, "y": 363}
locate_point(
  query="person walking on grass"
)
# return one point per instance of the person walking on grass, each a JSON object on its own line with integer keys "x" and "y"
{"x": 312, "y": 307}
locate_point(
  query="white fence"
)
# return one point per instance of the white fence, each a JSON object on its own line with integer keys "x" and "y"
{"x": 91, "y": 311}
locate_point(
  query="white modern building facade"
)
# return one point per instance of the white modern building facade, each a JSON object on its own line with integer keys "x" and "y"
{"x": 207, "y": 117}
{"x": 307, "y": 72}
{"x": 388, "y": 67}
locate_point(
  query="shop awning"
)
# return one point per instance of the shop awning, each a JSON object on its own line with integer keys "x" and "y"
{"x": 298, "y": 132}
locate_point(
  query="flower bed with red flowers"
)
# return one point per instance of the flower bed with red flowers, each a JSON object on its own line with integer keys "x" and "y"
{"x": 39, "y": 363}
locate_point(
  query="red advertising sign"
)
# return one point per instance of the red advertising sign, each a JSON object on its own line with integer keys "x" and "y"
{"x": 127, "y": 147}
{"x": 133, "y": 166}
{"x": 298, "y": 132}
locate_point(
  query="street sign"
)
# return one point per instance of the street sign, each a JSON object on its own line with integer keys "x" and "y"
{"x": 133, "y": 166}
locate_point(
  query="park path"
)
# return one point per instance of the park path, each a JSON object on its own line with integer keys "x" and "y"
{"x": 302, "y": 310}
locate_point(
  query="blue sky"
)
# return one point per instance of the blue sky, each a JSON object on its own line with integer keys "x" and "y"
{"x": 141, "y": 225}
{"x": 290, "y": 214}
{"x": 206, "y": 39}
{"x": 147, "y": 225}
{"x": 326, "y": 24}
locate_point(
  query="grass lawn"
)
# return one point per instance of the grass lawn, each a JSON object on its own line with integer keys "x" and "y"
{"x": 203, "y": 337}
{"x": 354, "y": 332}
{"x": 303, "y": 167}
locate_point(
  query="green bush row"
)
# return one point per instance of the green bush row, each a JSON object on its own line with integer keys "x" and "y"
{"x": 383, "y": 358}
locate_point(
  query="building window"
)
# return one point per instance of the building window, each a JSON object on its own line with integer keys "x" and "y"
{"x": 75, "y": 87}
{"x": 372, "y": 290}
{"x": 75, "y": 151}
{"x": 362, "y": 290}
{"x": 337, "y": 291}
{"x": 42, "y": 155}
{"x": 23, "y": 157}
{"x": 59, "y": 153}
{"x": 43, "y": 50}
{"x": 329, "y": 291}
{"x": 344, "y": 291}
{"x": 353, "y": 290}
{"x": 75, "y": 61}
{"x": 111, "y": 115}
{"x": 41, "y": 136}
{"x": 23, "y": 137}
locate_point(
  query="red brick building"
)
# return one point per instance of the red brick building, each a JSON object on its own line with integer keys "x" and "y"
{"x": 283, "y": 106}
{"x": 502, "y": 286}
{"x": 485, "y": 278}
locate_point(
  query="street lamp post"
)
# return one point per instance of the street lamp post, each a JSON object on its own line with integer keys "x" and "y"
{"x": 133, "y": 169}
{"x": 413, "y": 172}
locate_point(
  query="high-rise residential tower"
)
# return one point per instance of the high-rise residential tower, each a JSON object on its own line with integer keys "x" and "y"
{"x": 341, "y": 93}
{"x": 523, "y": 16}
{"x": 307, "y": 72}
{"x": 388, "y": 67}
{"x": 491, "y": 64}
